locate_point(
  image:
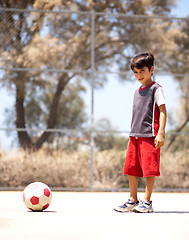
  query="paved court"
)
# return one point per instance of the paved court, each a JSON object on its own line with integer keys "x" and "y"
{"x": 90, "y": 216}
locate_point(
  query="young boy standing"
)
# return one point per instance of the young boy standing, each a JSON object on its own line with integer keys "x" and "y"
{"x": 146, "y": 136}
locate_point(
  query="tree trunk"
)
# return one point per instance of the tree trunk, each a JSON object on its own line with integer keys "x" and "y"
{"x": 63, "y": 80}
{"x": 24, "y": 138}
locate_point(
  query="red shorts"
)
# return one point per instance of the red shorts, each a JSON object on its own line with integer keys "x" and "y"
{"x": 142, "y": 158}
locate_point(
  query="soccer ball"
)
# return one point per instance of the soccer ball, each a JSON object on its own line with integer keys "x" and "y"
{"x": 37, "y": 196}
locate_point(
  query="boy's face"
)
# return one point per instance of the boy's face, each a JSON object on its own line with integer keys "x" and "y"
{"x": 143, "y": 75}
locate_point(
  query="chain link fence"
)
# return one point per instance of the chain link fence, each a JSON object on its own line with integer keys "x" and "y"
{"x": 49, "y": 62}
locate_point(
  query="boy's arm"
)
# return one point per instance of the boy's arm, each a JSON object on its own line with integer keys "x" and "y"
{"x": 159, "y": 140}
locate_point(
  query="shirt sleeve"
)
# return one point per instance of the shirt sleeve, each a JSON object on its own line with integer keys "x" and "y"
{"x": 159, "y": 97}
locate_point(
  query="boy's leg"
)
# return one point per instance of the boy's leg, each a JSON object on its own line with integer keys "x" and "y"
{"x": 146, "y": 205}
{"x": 149, "y": 188}
{"x": 132, "y": 202}
{"x": 133, "y": 185}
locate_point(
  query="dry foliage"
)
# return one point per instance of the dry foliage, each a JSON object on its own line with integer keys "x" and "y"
{"x": 72, "y": 169}
{"x": 174, "y": 170}
{"x": 60, "y": 168}
{"x": 56, "y": 169}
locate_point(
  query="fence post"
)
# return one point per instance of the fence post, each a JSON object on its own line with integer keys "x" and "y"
{"x": 92, "y": 97}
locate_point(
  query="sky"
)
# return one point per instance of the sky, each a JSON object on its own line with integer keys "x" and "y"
{"x": 114, "y": 101}
{"x": 181, "y": 9}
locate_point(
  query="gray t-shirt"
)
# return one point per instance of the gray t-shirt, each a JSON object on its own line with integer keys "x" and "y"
{"x": 145, "y": 119}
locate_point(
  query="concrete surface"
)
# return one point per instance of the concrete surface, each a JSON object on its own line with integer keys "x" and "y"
{"x": 90, "y": 216}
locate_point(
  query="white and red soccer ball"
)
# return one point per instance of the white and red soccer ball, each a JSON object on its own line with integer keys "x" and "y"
{"x": 37, "y": 196}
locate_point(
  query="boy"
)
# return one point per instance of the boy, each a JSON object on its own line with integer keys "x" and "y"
{"x": 146, "y": 136}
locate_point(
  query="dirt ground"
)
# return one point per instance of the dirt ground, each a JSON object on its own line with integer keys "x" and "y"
{"x": 83, "y": 215}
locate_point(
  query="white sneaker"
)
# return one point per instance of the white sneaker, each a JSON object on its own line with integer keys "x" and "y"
{"x": 126, "y": 207}
{"x": 143, "y": 207}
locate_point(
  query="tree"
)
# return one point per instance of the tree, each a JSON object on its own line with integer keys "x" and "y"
{"x": 44, "y": 40}
{"x": 71, "y": 112}
{"x": 179, "y": 65}
{"x": 106, "y": 139}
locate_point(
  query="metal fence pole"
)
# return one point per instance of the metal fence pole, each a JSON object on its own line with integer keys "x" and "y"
{"x": 92, "y": 96}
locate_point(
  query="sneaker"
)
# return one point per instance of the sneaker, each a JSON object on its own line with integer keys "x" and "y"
{"x": 126, "y": 207}
{"x": 143, "y": 207}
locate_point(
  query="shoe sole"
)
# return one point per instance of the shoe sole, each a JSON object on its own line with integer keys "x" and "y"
{"x": 122, "y": 211}
{"x": 148, "y": 211}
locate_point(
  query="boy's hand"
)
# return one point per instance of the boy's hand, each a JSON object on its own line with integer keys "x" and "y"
{"x": 159, "y": 141}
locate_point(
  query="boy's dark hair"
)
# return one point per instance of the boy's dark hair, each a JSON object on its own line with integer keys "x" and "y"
{"x": 143, "y": 60}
